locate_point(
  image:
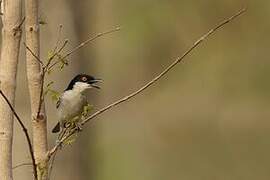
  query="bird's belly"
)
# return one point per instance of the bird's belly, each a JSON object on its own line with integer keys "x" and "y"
{"x": 71, "y": 108}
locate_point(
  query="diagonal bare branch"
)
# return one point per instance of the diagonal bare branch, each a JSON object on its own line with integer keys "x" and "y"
{"x": 90, "y": 40}
{"x": 164, "y": 72}
{"x": 150, "y": 83}
{"x": 33, "y": 54}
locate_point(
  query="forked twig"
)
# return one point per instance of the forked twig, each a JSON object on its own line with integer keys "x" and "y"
{"x": 55, "y": 53}
{"x": 73, "y": 50}
{"x": 42, "y": 71}
{"x": 90, "y": 40}
{"x": 17, "y": 28}
{"x": 155, "y": 79}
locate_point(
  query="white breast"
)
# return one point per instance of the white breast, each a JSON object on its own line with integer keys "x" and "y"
{"x": 71, "y": 105}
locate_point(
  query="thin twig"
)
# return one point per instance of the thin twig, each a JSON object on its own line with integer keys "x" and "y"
{"x": 43, "y": 73}
{"x": 30, "y": 147}
{"x": 33, "y": 54}
{"x": 90, "y": 40}
{"x": 58, "y": 38}
{"x": 21, "y": 23}
{"x": 178, "y": 60}
{"x": 42, "y": 76}
{"x": 51, "y": 164}
{"x": 62, "y": 47}
{"x": 20, "y": 165}
{"x": 18, "y": 27}
{"x": 73, "y": 50}
{"x": 41, "y": 99}
{"x": 56, "y": 53}
{"x": 155, "y": 79}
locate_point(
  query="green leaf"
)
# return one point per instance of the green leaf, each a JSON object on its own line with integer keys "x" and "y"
{"x": 71, "y": 139}
{"x": 54, "y": 95}
{"x": 49, "y": 71}
{"x": 63, "y": 62}
{"x": 86, "y": 110}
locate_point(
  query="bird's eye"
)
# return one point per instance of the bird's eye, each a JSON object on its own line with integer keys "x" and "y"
{"x": 84, "y": 78}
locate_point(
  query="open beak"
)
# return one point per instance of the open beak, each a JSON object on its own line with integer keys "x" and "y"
{"x": 93, "y": 83}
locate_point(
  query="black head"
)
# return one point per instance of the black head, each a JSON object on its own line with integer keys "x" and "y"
{"x": 85, "y": 79}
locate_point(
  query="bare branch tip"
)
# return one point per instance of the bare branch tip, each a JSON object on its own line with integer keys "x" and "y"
{"x": 118, "y": 28}
{"x": 240, "y": 12}
{"x": 244, "y": 9}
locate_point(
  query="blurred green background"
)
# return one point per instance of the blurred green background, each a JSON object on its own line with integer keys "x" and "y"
{"x": 208, "y": 119}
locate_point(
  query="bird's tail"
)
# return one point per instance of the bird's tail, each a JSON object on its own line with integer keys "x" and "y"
{"x": 56, "y": 129}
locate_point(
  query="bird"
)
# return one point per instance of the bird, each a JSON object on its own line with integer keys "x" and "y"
{"x": 72, "y": 101}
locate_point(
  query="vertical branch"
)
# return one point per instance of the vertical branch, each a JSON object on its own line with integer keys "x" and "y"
{"x": 35, "y": 75}
{"x": 11, "y": 36}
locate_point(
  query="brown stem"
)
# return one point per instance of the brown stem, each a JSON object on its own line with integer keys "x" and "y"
{"x": 41, "y": 98}
{"x": 55, "y": 53}
{"x": 33, "y": 54}
{"x": 30, "y": 147}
